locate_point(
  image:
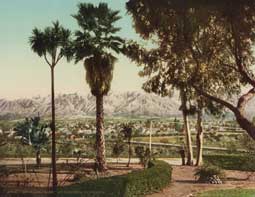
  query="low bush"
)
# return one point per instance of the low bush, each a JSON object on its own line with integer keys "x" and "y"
{"x": 204, "y": 173}
{"x": 243, "y": 162}
{"x": 137, "y": 183}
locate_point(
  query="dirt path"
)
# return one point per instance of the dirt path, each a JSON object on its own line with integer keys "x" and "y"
{"x": 184, "y": 184}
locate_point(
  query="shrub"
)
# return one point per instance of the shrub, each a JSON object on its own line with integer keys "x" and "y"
{"x": 205, "y": 172}
{"x": 117, "y": 149}
{"x": 150, "y": 180}
{"x": 136, "y": 183}
{"x": 143, "y": 154}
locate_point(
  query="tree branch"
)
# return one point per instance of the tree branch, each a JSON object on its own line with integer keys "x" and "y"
{"x": 244, "y": 74}
{"x": 240, "y": 65}
{"x": 245, "y": 98}
{"x": 58, "y": 58}
{"x": 230, "y": 66}
{"x": 216, "y": 99}
{"x": 47, "y": 60}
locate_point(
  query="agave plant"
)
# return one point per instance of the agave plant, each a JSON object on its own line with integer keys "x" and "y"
{"x": 32, "y": 133}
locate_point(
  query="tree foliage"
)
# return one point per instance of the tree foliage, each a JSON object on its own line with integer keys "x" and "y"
{"x": 52, "y": 43}
{"x": 207, "y": 45}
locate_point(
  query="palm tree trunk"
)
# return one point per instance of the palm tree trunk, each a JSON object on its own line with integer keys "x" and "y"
{"x": 53, "y": 129}
{"x": 100, "y": 142}
{"x": 199, "y": 137}
{"x": 129, "y": 153}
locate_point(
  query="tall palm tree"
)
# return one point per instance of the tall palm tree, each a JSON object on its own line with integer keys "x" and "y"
{"x": 51, "y": 44}
{"x": 93, "y": 45}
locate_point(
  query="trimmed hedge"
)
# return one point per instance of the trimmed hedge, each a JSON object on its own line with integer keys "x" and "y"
{"x": 137, "y": 183}
{"x": 243, "y": 162}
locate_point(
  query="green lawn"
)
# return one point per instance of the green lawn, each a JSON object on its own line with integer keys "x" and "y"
{"x": 229, "y": 193}
{"x": 223, "y": 141}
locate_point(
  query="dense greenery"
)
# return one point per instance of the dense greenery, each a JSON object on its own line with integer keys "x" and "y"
{"x": 204, "y": 44}
{"x": 136, "y": 183}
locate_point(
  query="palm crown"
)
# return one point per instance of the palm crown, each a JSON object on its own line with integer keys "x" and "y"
{"x": 52, "y": 41}
{"x": 94, "y": 44}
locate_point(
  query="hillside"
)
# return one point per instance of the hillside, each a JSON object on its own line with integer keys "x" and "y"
{"x": 115, "y": 104}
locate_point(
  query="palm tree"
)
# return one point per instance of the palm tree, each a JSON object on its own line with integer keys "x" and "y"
{"x": 93, "y": 45}
{"x": 51, "y": 44}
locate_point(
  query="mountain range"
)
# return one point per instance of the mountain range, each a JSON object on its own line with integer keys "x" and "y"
{"x": 115, "y": 104}
{"x": 126, "y": 104}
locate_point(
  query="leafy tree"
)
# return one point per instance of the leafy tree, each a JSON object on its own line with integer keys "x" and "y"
{"x": 94, "y": 44}
{"x": 52, "y": 44}
{"x": 127, "y": 130}
{"x": 182, "y": 40}
{"x": 213, "y": 41}
{"x": 33, "y": 133}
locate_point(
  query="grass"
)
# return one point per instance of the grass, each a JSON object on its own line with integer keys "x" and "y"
{"x": 232, "y": 161}
{"x": 229, "y": 193}
{"x": 215, "y": 141}
{"x": 161, "y": 139}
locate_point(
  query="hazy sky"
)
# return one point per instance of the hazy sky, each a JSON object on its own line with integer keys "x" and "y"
{"x": 24, "y": 74}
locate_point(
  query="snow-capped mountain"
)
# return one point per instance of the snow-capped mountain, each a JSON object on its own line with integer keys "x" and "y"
{"x": 115, "y": 104}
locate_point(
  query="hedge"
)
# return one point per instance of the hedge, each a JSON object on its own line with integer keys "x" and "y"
{"x": 137, "y": 183}
{"x": 242, "y": 162}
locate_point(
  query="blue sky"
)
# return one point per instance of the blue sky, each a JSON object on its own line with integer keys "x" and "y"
{"x": 24, "y": 74}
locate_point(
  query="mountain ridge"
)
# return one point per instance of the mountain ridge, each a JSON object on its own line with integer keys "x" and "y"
{"x": 121, "y": 104}
{"x": 73, "y": 104}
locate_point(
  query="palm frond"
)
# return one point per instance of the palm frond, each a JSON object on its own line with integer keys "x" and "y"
{"x": 52, "y": 40}
{"x": 98, "y": 29}
{"x": 99, "y": 73}
{"x": 37, "y": 42}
